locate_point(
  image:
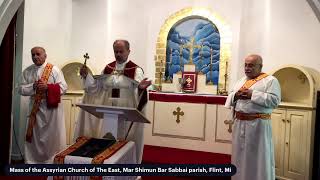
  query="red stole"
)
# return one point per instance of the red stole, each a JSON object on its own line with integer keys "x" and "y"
{"x": 129, "y": 69}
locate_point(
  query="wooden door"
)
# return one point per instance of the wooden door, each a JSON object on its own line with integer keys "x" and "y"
{"x": 278, "y": 134}
{"x": 68, "y": 115}
{"x": 296, "y": 144}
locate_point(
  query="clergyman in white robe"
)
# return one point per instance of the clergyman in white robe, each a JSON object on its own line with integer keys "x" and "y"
{"x": 252, "y": 145}
{"x": 49, "y": 134}
{"x": 99, "y": 91}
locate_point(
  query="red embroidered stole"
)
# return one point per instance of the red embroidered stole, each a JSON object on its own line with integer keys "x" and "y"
{"x": 129, "y": 69}
{"x": 37, "y": 100}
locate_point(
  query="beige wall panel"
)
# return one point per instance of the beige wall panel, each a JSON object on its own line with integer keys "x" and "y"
{"x": 191, "y": 125}
{"x": 224, "y": 117}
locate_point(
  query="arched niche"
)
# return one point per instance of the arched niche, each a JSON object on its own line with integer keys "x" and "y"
{"x": 299, "y": 85}
{"x": 71, "y": 72}
{"x": 225, "y": 41}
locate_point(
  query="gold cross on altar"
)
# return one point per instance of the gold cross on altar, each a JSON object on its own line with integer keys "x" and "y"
{"x": 178, "y": 113}
{"x": 230, "y": 123}
{"x": 191, "y": 46}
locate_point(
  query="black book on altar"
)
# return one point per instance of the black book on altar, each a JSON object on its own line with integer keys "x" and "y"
{"x": 93, "y": 147}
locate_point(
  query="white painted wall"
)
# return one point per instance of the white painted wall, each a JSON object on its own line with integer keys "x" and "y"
{"x": 89, "y": 32}
{"x": 283, "y": 32}
{"x": 47, "y": 23}
{"x": 294, "y": 35}
{"x": 98, "y": 23}
{"x": 253, "y": 30}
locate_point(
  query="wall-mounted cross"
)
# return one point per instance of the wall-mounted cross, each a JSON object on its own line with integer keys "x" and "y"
{"x": 178, "y": 113}
{"x": 191, "y": 46}
{"x": 230, "y": 123}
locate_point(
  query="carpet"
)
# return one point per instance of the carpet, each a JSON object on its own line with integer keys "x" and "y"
{"x": 166, "y": 155}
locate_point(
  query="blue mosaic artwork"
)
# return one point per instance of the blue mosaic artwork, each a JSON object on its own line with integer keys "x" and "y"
{"x": 199, "y": 37}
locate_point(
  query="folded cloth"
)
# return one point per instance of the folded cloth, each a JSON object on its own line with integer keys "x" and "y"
{"x": 53, "y": 95}
{"x": 97, "y": 149}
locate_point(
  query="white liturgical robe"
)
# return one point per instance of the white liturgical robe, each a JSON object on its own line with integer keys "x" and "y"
{"x": 252, "y": 145}
{"x": 49, "y": 134}
{"x": 99, "y": 91}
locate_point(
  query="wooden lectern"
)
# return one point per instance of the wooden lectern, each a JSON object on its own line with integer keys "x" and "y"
{"x": 114, "y": 117}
